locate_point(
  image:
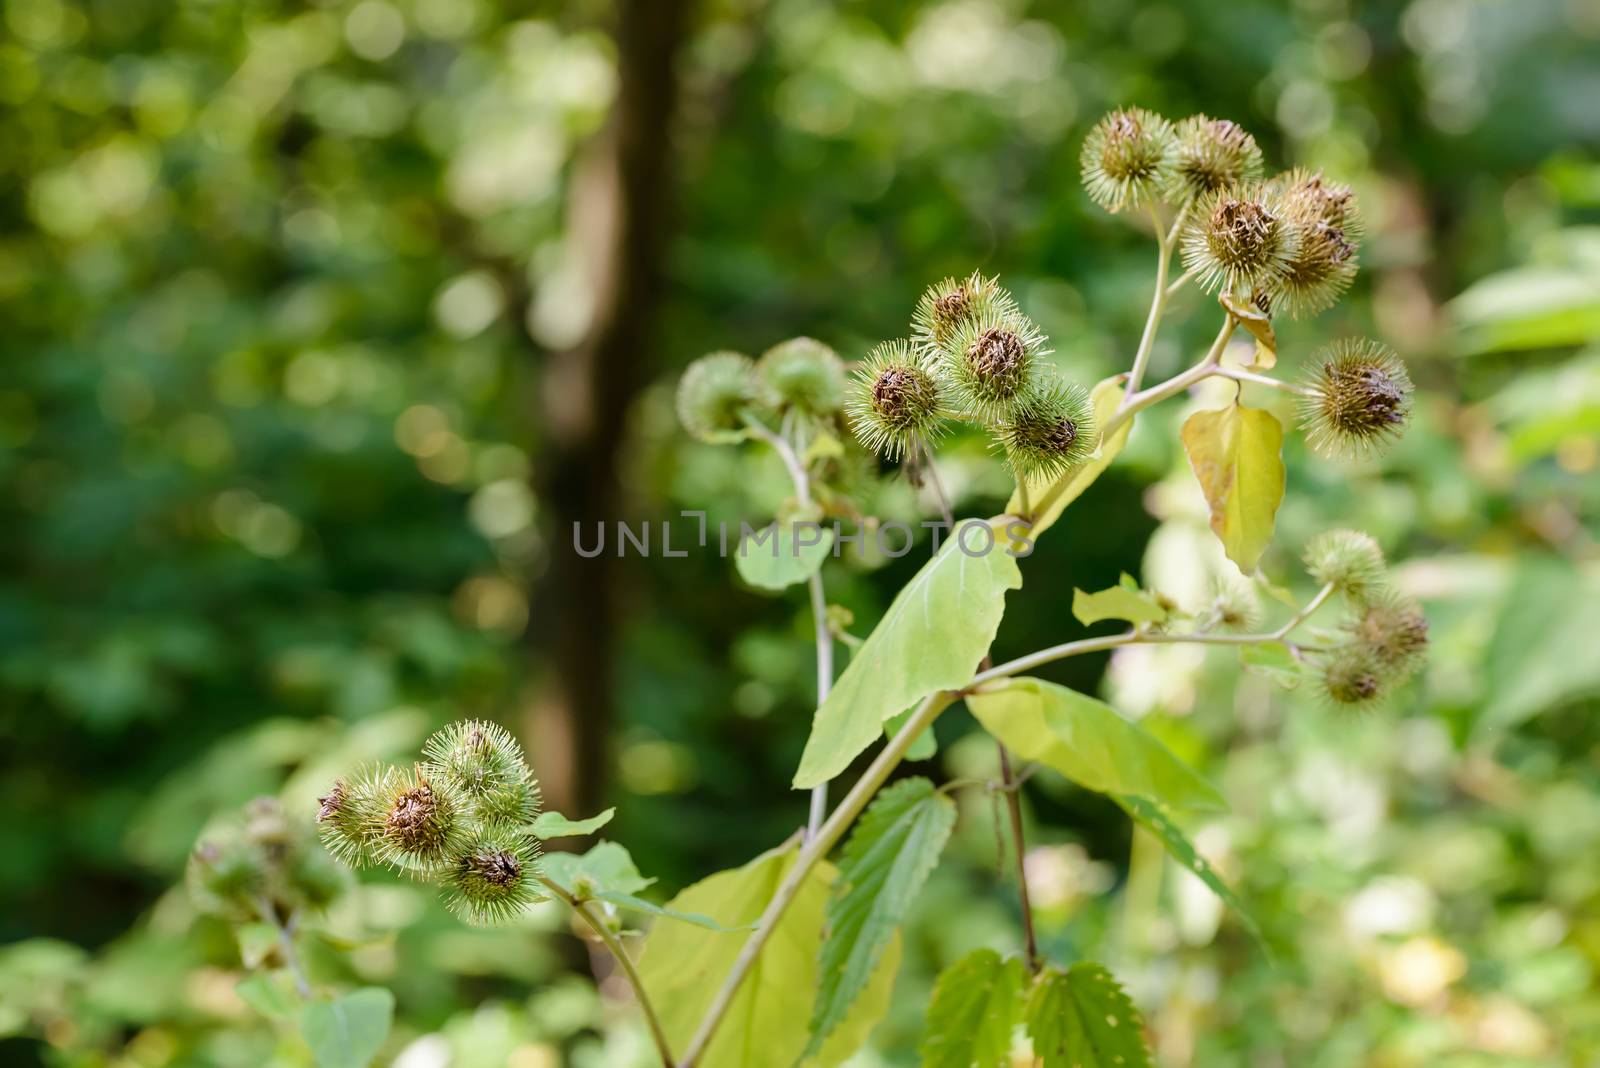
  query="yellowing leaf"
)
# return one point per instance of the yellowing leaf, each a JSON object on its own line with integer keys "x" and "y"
{"x": 1260, "y": 326}
{"x": 1088, "y": 742}
{"x": 1235, "y": 453}
{"x": 1106, "y": 397}
{"x": 683, "y": 967}
{"x": 931, "y": 638}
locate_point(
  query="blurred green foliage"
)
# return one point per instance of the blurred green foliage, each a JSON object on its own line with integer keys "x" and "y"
{"x": 279, "y": 278}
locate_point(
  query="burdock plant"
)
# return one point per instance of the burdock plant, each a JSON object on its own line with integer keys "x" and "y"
{"x": 725, "y": 959}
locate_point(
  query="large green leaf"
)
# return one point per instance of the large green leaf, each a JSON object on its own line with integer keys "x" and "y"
{"x": 775, "y": 559}
{"x": 683, "y": 968}
{"x": 888, "y": 858}
{"x": 1151, "y": 815}
{"x": 1081, "y": 1018}
{"x": 976, "y": 1006}
{"x": 1106, "y": 398}
{"x": 1088, "y": 742}
{"x": 938, "y": 628}
{"x": 348, "y": 1031}
{"x": 1236, "y": 455}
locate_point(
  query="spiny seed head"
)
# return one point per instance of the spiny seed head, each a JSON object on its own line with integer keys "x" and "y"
{"x": 993, "y": 361}
{"x": 1359, "y": 399}
{"x": 1352, "y": 678}
{"x": 1238, "y": 236}
{"x": 803, "y": 375}
{"x": 350, "y": 816}
{"x": 1392, "y": 628}
{"x": 1211, "y": 154}
{"x": 493, "y": 877}
{"x": 1348, "y": 560}
{"x": 893, "y": 399}
{"x": 1049, "y": 431}
{"x": 260, "y": 858}
{"x": 1330, "y": 229}
{"x": 1234, "y": 605}
{"x": 1128, "y": 159}
{"x": 713, "y": 395}
{"x": 486, "y": 765}
{"x": 947, "y": 305}
{"x": 422, "y": 821}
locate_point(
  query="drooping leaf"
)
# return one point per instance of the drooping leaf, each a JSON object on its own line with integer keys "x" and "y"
{"x": 683, "y": 968}
{"x": 923, "y": 747}
{"x": 347, "y": 1031}
{"x": 931, "y": 638}
{"x": 1106, "y": 397}
{"x": 1260, "y": 327}
{"x": 607, "y": 872}
{"x": 555, "y": 825}
{"x": 1081, "y": 1018}
{"x": 1118, "y": 602}
{"x": 977, "y": 1005}
{"x": 1088, "y": 742}
{"x": 780, "y": 555}
{"x": 1151, "y": 815}
{"x": 1236, "y": 455}
{"x": 888, "y": 858}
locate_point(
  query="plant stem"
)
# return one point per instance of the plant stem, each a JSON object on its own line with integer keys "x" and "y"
{"x": 938, "y": 484}
{"x": 824, "y": 638}
{"x": 814, "y": 850}
{"x": 1158, "y": 301}
{"x": 1304, "y": 613}
{"x": 819, "y": 601}
{"x": 1239, "y": 374}
{"x": 623, "y": 961}
{"x": 1014, "y": 806}
{"x": 286, "y": 946}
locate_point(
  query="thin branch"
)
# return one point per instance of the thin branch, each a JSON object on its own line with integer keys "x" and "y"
{"x": 657, "y": 1034}
{"x": 819, "y": 601}
{"x": 286, "y": 946}
{"x": 1158, "y": 301}
{"x": 1014, "y": 807}
{"x": 1239, "y": 374}
{"x": 1304, "y": 613}
{"x": 1181, "y": 281}
{"x": 938, "y": 484}
{"x": 814, "y": 850}
{"x": 824, "y": 639}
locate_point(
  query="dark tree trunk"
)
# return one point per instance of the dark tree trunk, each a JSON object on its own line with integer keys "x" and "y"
{"x": 620, "y": 213}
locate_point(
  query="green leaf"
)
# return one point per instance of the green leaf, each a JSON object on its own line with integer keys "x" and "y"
{"x": 1271, "y": 660}
{"x": 1106, "y": 398}
{"x": 923, "y": 746}
{"x": 555, "y": 825}
{"x": 1150, "y": 815}
{"x": 1542, "y": 652}
{"x": 775, "y": 560}
{"x": 1081, "y": 1018}
{"x": 1118, "y": 602}
{"x": 931, "y": 638}
{"x": 1236, "y": 455}
{"x": 1088, "y": 742}
{"x": 888, "y": 858}
{"x": 607, "y": 872}
{"x": 348, "y": 1031}
{"x": 271, "y": 994}
{"x": 257, "y": 942}
{"x": 976, "y": 1006}
{"x": 683, "y": 968}
{"x": 605, "y": 867}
